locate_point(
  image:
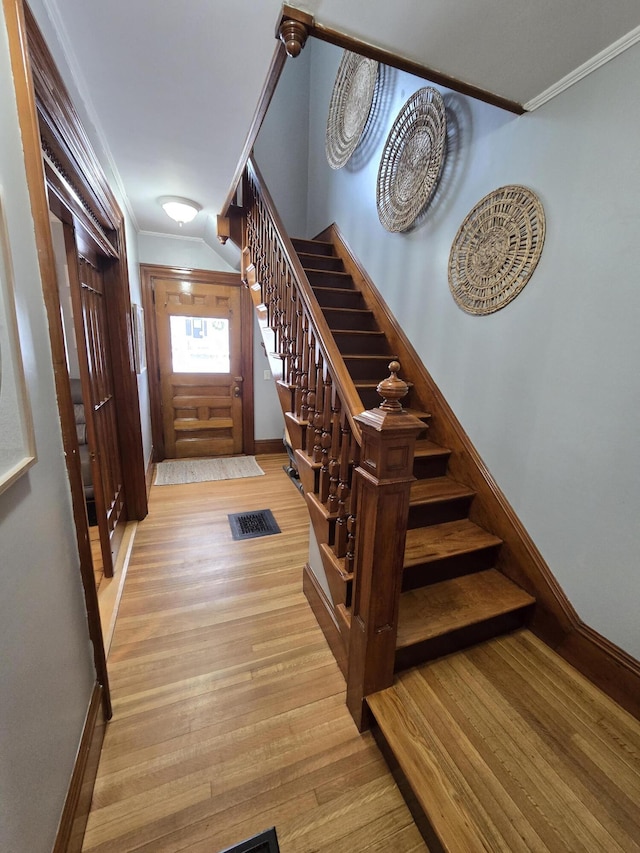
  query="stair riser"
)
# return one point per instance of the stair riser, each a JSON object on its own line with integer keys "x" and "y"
{"x": 372, "y": 344}
{"x": 312, "y": 247}
{"x": 347, "y": 320}
{"x": 410, "y": 798}
{"x": 460, "y": 639}
{"x": 426, "y": 514}
{"x": 370, "y": 369}
{"x": 328, "y": 279}
{"x": 425, "y": 574}
{"x": 430, "y": 466}
{"x": 321, "y": 262}
{"x": 329, "y": 298}
{"x": 371, "y": 399}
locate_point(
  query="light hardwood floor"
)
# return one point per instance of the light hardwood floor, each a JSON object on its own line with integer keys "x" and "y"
{"x": 229, "y": 709}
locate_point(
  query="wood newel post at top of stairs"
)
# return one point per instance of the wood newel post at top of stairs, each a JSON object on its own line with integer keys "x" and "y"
{"x": 382, "y": 485}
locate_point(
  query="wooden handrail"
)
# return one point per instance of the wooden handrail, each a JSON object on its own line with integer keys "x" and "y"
{"x": 350, "y": 398}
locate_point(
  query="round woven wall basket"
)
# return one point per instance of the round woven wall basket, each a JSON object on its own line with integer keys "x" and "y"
{"x": 496, "y": 250}
{"x": 412, "y": 160}
{"x": 349, "y": 107}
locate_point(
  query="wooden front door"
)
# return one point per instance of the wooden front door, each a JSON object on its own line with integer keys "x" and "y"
{"x": 200, "y": 360}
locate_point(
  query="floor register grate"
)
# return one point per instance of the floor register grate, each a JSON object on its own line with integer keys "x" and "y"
{"x": 249, "y": 525}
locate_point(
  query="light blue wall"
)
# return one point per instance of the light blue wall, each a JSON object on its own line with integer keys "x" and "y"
{"x": 547, "y": 388}
{"x": 169, "y": 251}
{"x": 46, "y": 663}
{"x": 282, "y": 146}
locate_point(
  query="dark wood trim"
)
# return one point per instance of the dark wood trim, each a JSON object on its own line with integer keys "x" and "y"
{"x": 77, "y": 183}
{"x": 148, "y": 274}
{"x": 248, "y": 390}
{"x": 27, "y": 117}
{"x": 555, "y": 620}
{"x": 151, "y": 470}
{"x": 331, "y": 36}
{"x": 269, "y": 445}
{"x": 325, "y": 616}
{"x": 273, "y": 75}
{"x": 75, "y": 813}
{"x": 125, "y": 382}
{"x": 608, "y": 666}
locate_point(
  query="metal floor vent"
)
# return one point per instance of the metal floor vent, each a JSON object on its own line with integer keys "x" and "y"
{"x": 249, "y": 525}
{"x": 265, "y": 842}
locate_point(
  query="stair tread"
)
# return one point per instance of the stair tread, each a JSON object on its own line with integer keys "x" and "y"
{"x": 353, "y": 311}
{"x": 337, "y": 562}
{"x": 310, "y": 258}
{"x": 313, "y": 501}
{"x": 338, "y": 274}
{"x": 363, "y": 332}
{"x": 447, "y": 606}
{"x": 438, "y": 489}
{"x": 368, "y": 357}
{"x": 332, "y": 288}
{"x": 439, "y": 541}
{"x": 475, "y": 735}
{"x": 425, "y": 448}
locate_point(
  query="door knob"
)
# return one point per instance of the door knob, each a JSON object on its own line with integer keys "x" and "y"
{"x": 237, "y": 391}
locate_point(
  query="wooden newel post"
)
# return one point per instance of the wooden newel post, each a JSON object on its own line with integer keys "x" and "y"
{"x": 382, "y": 482}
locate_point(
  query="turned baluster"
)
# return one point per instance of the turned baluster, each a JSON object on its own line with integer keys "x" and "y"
{"x": 301, "y": 348}
{"x": 277, "y": 300}
{"x": 325, "y": 439}
{"x": 352, "y": 522}
{"x": 334, "y": 453}
{"x": 290, "y": 328}
{"x": 273, "y": 281}
{"x": 296, "y": 350}
{"x": 319, "y": 409}
{"x": 311, "y": 394}
{"x": 304, "y": 375}
{"x": 344, "y": 490}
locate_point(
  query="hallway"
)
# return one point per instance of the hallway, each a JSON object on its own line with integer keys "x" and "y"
{"x": 229, "y": 712}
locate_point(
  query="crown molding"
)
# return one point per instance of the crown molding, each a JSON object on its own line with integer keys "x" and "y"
{"x": 609, "y": 53}
{"x": 51, "y": 7}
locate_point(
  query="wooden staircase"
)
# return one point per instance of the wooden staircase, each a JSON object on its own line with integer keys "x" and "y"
{"x": 496, "y": 739}
{"x": 498, "y": 743}
{"x": 451, "y": 593}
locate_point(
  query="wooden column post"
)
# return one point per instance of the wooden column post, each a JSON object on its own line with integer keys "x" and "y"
{"x": 382, "y": 482}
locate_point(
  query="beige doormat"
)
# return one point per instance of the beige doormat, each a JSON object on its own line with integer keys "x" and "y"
{"x": 174, "y": 472}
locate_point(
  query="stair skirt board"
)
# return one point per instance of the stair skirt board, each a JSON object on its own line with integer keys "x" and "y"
{"x": 325, "y": 615}
{"x": 250, "y": 525}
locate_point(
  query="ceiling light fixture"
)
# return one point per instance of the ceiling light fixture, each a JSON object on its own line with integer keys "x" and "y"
{"x": 180, "y": 209}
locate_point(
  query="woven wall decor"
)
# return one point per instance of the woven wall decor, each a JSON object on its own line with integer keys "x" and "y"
{"x": 496, "y": 249}
{"x": 412, "y": 160}
{"x": 350, "y": 105}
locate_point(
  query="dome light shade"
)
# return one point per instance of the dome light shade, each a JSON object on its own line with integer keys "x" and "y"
{"x": 180, "y": 209}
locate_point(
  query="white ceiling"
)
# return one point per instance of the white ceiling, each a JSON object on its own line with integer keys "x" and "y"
{"x": 172, "y": 87}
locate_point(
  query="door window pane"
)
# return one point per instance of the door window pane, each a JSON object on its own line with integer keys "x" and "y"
{"x": 199, "y": 345}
